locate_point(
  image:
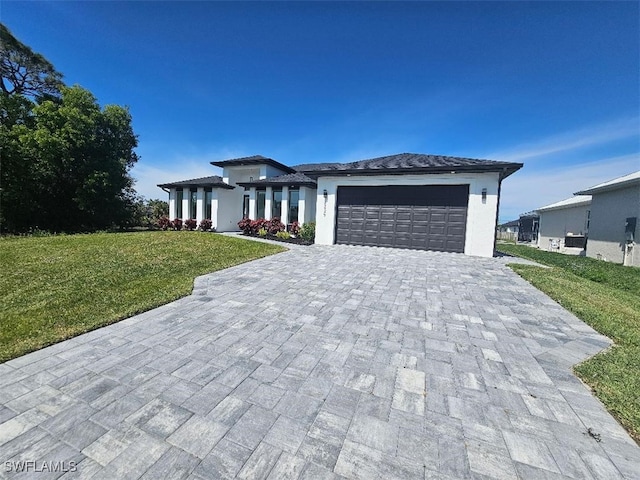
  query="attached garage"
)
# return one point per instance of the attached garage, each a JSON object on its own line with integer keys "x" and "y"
{"x": 410, "y": 200}
{"x": 423, "y": 217}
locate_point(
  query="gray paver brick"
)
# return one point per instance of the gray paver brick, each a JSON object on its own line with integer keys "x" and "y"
{"x": 287, "y": 434}
{"x": 485, "y": 460}
{"x": 249, "y": 430}
{"x": 224, "y": 461}
{"x": 319, "y": 452}
{"x": 198, "y": 436}
{"x": 228, "y": 411}
{"x": 374, "y": 433}
{"x": 260, "y": 463}
{"x": 287, "y": 467}
{"x": 298, "y": 406}
{"x": 530, "y": 451}
{"x": 173, "y": 464}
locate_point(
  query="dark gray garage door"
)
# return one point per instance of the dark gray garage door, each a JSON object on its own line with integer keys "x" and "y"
{"x": 425, "y": 217}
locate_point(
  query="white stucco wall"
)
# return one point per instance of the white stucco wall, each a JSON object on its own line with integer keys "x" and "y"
{"x": 172, "y": 203}
{"x": 609, "y": 210}
{"x": 556, "y": 224}
{"x": 481, "y": 216}
{"x": 307, "y": 205}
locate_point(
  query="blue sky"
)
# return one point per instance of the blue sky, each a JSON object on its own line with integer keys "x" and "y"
{"x": 552, "y": 84}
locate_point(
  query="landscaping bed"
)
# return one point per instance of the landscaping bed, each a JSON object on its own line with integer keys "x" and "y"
{"x": 268, "y": 236}
{"x": 274, "y": 229}
{"x": 606, "y": 296}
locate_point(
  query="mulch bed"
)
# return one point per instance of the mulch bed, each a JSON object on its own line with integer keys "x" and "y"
{"x": 296, "y": 240}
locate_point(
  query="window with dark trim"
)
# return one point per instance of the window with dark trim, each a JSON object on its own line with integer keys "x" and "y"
{"x": 294, "y": 200}
{"x": 208, "y": 197}
{"x": 193, "y": 203}
{"x": 276, "y": 203}
{"x": 261, "y": 199}
{"x": 179, "y": 196}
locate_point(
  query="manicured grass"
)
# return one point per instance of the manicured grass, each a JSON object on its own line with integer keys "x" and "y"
{"x": 54, "y": 288}
{"x": 612, "y": 274}
{"x": 607, "y": 297}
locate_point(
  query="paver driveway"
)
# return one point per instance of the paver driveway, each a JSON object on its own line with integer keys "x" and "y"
{"x": 317, "y": 363}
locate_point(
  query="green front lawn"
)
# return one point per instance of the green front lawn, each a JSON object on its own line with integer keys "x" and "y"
{"x": 53, "y": 288}
{"x": 607, "y": 297}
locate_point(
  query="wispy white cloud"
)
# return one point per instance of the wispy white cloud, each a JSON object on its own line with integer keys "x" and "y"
{"x": 525, "y": 191}
{"x": 172, "y": 167}
{"x": 591, "y": 136}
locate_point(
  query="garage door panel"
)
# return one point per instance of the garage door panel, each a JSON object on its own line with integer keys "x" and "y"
{"x": 403, "y": 228}
{"x": 424, "y": 217}
{"x": 420, "y": 229}
{"x": 455, "y": 231}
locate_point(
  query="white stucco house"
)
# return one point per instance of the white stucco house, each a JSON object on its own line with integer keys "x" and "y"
{"x": 408, "y": 200}
{"x": 563, "y": 225}
{"x": 614, "y": 227}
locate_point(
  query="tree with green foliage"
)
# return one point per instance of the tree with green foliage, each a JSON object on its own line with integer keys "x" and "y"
{"x": 148, "y": 212}
{"x": 158, "y": 208}
{"x": 25, "y": 72}
{"x": 65, "y": 161}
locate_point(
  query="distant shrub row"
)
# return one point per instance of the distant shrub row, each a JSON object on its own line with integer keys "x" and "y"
{"x": 190, "y": 224}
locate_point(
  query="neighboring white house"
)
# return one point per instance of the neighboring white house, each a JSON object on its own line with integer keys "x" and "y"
{"x": 417, "y": 201}
{"x": 563, "y": 225}
{"x": 508, "y": 230}
{"x": 509, "y": 227}
{"x": 614, "y": 226}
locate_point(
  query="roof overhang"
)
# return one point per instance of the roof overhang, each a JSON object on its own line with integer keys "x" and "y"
{"x": 565, "y": 204}
{"x": 224, "y": 186}
{"x": 610, "y": 187}
{"x": 504, "y": 170}
{"x": 278, "y": 184}
{"x": 250, "y": 161}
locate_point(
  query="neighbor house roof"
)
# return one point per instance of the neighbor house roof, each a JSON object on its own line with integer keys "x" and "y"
{"x": 512, "y": 223}
{"x": 292, "y": 179}
{"x": 615, "y": 184}
{"x": 214, "y": 181}
{"x": 410, "y": 163}
{"x": 253, "y": 160}
{"x": 531, "y": 214}
{"x": 575, "y": 201}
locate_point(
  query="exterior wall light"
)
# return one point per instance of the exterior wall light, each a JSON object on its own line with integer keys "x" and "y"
{"x": 325, "y": 194}
{"x": 484, "y": 195}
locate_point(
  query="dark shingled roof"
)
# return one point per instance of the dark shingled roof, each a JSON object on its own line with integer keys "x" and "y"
{"x": 214, "y": 182}
{"x": 512, "y": 223}
{"x": 254, "y": 160}
{"x": 410, "y": 163}
{"x": 297, "y": 179}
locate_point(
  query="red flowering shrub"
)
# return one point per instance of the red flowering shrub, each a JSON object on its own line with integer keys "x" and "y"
{"x": 245, "y": 226}
{"x": 176, "y": 224}
{"x": 294, "y": 228}
{"x": 274, "y": 226}
{"x": 164, "y": 223}
{"x": 252, "y": 227}
{"x": 205, "y": 225}
{"x": 257, "y": 225}
{"x": 190, "y": 224}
